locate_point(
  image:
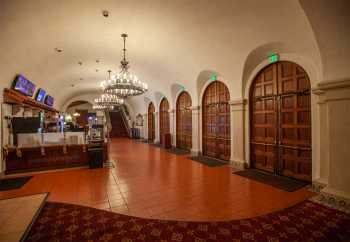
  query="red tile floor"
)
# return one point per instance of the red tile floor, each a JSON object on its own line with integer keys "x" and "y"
{"x": 150, "y": 182}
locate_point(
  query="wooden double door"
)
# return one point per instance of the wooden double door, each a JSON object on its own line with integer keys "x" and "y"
{"x": 184, "y": 121}
{"x": 216, "y": 121}
{"x": 151, "y": 123}
{"x": 164, "y": 121}
{"x": 280, "y": 121}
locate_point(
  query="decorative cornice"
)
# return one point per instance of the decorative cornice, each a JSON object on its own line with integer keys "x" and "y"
{"x": 329, "y": 85}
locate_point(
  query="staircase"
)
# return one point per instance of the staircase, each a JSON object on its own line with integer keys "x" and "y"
{"x": 119, "y": 128}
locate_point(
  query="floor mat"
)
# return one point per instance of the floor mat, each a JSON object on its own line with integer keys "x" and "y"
{"x": 306, "y": 221}
{"x": 208, "y": 161}
{"x": 13, "y": 183}
{"x": 283, "y": 183}
{"x": 177, "y": 151}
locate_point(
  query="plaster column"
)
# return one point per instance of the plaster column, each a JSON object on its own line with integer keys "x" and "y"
{"x": 156, "y": 119}
{"x": 237, "y": 111}
{"x": 334, "y": 137}
{"x": 172, "y": 127}
{"x": 145, "y": 126}
{"x": 195, "y": 130}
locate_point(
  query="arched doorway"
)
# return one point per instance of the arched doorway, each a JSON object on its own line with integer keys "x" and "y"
{"x": 151, "y": 123}
{"x": 280, "y": 121}
{"x": 164, "y": 122}
{"x": 216, "y": 121}
{"x": 184, "y": 121}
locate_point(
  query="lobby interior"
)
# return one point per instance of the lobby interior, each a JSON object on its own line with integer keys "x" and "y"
{"x": 235, "y": 129}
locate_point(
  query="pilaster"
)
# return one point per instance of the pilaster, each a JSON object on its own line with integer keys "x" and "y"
{"x": 334, "y": 103}
{"x": 172, "y": 123}
{"x": 157, "y": 136}
{"x": 237, "y": 109}
{"x": 145, "y": 126}
{"x": 195, "y": 130}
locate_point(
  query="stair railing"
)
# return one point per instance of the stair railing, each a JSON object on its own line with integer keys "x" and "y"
{"x": 126, "y": 123}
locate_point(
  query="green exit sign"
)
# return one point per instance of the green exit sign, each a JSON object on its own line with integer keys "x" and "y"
{"x": 213, "y": 77}
{"x": 273, "y": 58}
{"x": 182, "y": 88}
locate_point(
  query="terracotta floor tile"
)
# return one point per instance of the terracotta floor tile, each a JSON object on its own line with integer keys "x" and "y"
{"x": 150, "y": 182}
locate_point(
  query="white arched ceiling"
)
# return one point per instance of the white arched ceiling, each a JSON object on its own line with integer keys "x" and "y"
{"x": 169, "y": 41}
{"x": 330, "y": 22}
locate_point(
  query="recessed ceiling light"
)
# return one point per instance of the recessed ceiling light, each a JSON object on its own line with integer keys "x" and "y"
{"x": 97, "y": 61}
{"x": 58, "y": 50}
{"x": 105, "y": 13}
{"x": 80, "y": 63}
{"x": 72, "y": 85}
{"x": 81, "y": 79}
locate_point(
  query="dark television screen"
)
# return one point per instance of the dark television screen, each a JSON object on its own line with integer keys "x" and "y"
{"x": 22, "y": 125}
{"x": 24, "y": 86}
{"x": 40, "y": 95}
{"x": 49, "y": 100}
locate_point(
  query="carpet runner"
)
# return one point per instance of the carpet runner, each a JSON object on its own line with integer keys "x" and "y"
{"x": 304, "y": 222}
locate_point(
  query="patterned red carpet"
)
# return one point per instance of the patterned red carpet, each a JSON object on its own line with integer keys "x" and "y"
{"x": 307, "y": 221}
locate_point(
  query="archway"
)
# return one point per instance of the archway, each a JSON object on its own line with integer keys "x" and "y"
{"x": 164, "y": 121}
{"x": 280, "y": 121}
{"x": 184, "y": 121}
{"x": 151, "y": 123}
{"x": 216, "y": 121}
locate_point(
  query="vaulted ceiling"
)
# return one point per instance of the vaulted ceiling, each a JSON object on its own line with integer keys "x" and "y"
{"x": 170, "y": 42}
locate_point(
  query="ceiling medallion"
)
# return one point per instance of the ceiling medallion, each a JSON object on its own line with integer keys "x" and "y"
{"x": 124, "y": 84}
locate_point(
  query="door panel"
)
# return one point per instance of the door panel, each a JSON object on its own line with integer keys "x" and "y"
{"x": 280, "y": 110}
{"x": 216, "y": 121}
{"x": 151, "y": 123}
{"x": 184, "y": 121}
{"x": 164, "y": 122}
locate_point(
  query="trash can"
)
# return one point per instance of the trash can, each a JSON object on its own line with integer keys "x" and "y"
{"x": 95, "y": 155}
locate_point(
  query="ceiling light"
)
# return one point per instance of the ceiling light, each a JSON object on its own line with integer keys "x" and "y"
{"x": 103, "y": 107}
{"x": 124, "y": 84}
{"x": 109, "y": 99}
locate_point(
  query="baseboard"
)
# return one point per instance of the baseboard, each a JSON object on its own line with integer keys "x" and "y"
{"x": 195, "y": 152}
{"x": 238, "y": 164}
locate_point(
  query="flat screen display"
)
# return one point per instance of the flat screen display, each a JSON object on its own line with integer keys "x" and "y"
{"x": 49, "y": 100}
{"x": 40, "y": 95}
{"x": 24, "y": 86}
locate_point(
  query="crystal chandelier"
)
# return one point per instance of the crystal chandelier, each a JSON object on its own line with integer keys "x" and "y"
{"x": 102, "y": 107}
{"x": 109, "y": 100}
{"x": 124, "y": 84}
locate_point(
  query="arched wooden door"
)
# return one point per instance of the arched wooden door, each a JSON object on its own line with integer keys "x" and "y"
{"x": 280, "y": 121}
{"x": 151, "y": 123}
{"x": 216, "y": 121}
{"x": 164, "y": 122}
{"x": 184, "y": 121}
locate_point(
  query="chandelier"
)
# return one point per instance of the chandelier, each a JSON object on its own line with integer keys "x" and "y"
{"x": 102, "y": 107}
{"x": 124, "y": 84}
{"x": 109, "y": 100}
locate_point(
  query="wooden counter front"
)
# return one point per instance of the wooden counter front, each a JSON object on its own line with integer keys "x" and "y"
{"x": 47, "y": 157}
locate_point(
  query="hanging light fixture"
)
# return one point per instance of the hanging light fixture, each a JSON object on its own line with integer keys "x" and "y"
{"x": 124, "y": 84}
{"x": 76, "y": 114}
{"x": 103, "y": 107}
{"x": 109, "y": 100}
